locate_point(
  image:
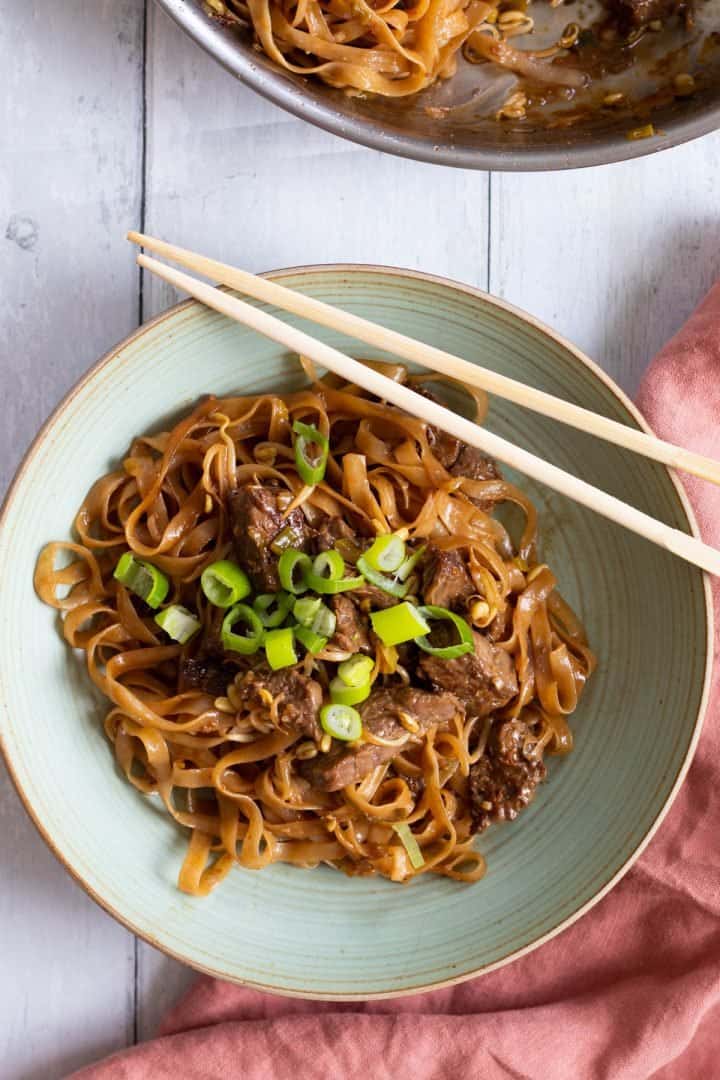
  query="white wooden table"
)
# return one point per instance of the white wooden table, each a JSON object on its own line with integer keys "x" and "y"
{"x": 111, "y": 120}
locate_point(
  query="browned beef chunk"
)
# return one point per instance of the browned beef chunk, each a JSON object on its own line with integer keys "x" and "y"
{"x": 474, "y": 464}
{"x": 446, "y": 581}
{"x": 332, "y": 529}
{"x": 484, "y": 680}
{"x": 297, "y": 698}
{"x": 256, "y": 513}
{"x": 371, "y": 598}
{"x": 506, "y": 777}
{"x": 344, "y": 765}
{"x": 456, "y": 456}
{"x": 445, "y": 447}
{"x": 633, "y": 14}
{"x": 351, "y": 631}
{"x": 208, "y": 671}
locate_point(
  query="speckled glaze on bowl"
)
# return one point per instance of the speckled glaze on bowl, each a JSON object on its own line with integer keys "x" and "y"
{"x": 318, "y": 933}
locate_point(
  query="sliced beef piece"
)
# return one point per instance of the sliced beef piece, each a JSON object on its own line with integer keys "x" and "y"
{"x": 297, "y": 697}
{"x": 634, "y": 14}
{"x": 446, "y": 581}
{"x": 455, "y": 455}
{"x": 344, "y": 765}
{"x": 484, "y": 680}
{"x": 257, "y": 517}
{"x": 352, "y": 629}
{"x": 371, "y": 598}
{"x": 445, "y": 447}
{"x": 474, "y": 464}
{"x": 330, "y": 530}
{"x": 506, "y": 777}
{"x": 208, "y": 671}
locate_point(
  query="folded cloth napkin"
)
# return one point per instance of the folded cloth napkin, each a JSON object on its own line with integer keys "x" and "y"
{"x": 630, "y": 991}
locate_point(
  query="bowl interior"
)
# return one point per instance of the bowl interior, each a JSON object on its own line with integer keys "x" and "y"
{"x": 467, "y": 135}
{"x": 320, "y": 933}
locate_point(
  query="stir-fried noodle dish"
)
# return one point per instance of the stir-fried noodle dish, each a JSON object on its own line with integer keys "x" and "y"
{"x": 396, "y": 48}
{"x": 319, "y": 643}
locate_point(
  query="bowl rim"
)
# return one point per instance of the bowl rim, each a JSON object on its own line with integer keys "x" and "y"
{"x": 485, "y": 298}
{"x": 275, "y": 87}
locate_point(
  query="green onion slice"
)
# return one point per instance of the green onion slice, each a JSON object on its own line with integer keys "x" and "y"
{"x": 224, "y": 583}
{"x": 341, "y": 721}
{"x": 386, "y": 554}
{"x": 465, "y": 642}
{"x": 242, "y": 643}
{"x": 306, "y": 609}
{"x": 410, "y": 563}
{"x": 311, "y": 613}
{"x": 283, "y": 540}
{"x": 326, "y": 574}
{"x": 293, "y": 568}
{"x": 410, "y": 844}
{"x": 356, "y": 670}
{"x": 329, "y": 564}
{"x": 311, "y": 469}
{"x": 382, "y": 581}
{"x": 325, "y": 621}
{"x": 280, "y": 648}
{"x": 314, "y": 643}
{"x": 342, "y": 694}
{"x": 273, "y": 607}
{"x": 178, "y": 623}
{"x": 142, "y": 578}
{"x": 402, "y": 622}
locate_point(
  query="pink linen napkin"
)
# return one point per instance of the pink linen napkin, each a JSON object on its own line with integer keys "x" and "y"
{"x": 631, "y": 991}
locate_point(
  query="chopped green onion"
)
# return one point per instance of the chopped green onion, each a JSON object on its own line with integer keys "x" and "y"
{"x": 273, "y": 607}
{"x": 293, "y": 568}
{"x": 465, "y": 643}
{"x": 410, "y": 563}
{"x": 306, "y": 609}
{"x": 311, "y": 613}
{"x": 178, "y": 623}
{"x": 329, "y": 564}
{"x": 311, "y": 469}
{"x": 386, "y": 553}
{"x": 314, "y": 643}
{"x": 242, "y": 643}
{"x": 283, "y": 540}
{"x": 331, "y": 588}
{"x": 410, "y": 844}
{"x": 402, "y": 622}
{"x": 387, "y": 584}
{"x": 341, "y": 721}
{"x": 325, "y": 621}
{"x": 224, "y": 583}
{"x": 342, "y": 694}
{"x": 326, "y": 574}
{"x": 142, "y": 578}
{"x": 280, "y": 648}
{"x": 356, "y": 670}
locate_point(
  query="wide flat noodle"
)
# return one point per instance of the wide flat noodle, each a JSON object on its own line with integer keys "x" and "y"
{"x": 224, "y": 768}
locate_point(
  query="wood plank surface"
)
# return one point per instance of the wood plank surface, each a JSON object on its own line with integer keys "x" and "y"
{"x": 70, "y": 161}
{"x": 614, "y": 258}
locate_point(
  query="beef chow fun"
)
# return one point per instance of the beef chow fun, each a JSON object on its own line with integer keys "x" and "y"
{"x": 319, "y": 642}
{"x": 396, "y": 49}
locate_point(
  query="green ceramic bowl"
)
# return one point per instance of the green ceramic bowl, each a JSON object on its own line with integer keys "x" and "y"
{"x": 318, "y": 933}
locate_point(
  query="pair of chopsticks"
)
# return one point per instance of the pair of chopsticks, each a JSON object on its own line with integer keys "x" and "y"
{"x": 269, "y": 292}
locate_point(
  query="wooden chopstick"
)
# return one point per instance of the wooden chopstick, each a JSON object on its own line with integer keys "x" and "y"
{"x": 687, "y": 547}
{"x": 429, "y": 356}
